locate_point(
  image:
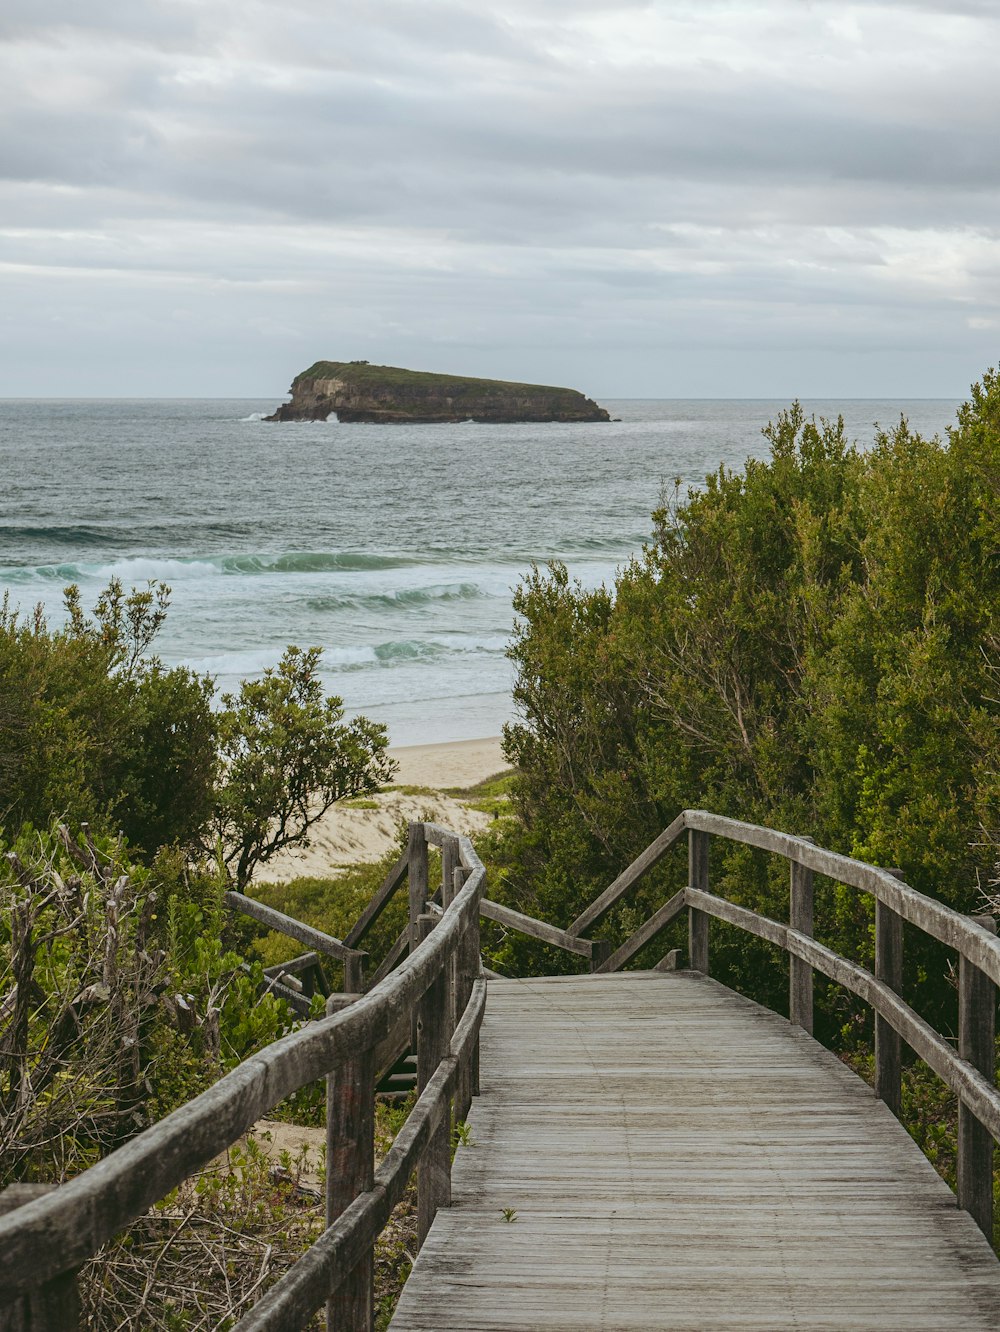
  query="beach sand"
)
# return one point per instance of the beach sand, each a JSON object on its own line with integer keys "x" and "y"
{"x": 462, "y": 764}
{"x": 367, "y": 829}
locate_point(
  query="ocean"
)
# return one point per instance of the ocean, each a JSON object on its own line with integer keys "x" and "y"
{"x": 393, "y": 548}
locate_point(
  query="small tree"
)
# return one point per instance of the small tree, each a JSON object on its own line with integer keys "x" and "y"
{"x": 286, "y": 756}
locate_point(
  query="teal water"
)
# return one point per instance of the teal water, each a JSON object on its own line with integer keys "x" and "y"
{"x": 394, "y": 548}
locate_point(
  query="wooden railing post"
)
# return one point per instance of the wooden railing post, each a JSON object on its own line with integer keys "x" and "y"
{"x": 434, "y": 1033}
{"x": 417, "y": 862}
{"x": 450, "y": 862}
{"x": 889, "y": 968}
{"x": 800, "y": 973}
{"x": 354, "y": 973}
{"x": 466, "y": 972}
{"x": 977, "y": 1007}
{"x": 350, "y": 1170}
{"x": 599, "y": 953}
{"x": 53, "y": 1307}
{"x": 698, "y": 920}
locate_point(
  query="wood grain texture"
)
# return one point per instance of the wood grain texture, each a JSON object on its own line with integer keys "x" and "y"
{"x": 295, "y": 929}
{"x": 977, "y": 1010}
{"x": 629, "y": 877}
{"x": 379, "y": 902}
{"x": 53, "y": 1234}
{"x": 888, "y": 1045}
{"x": 679, "y": 1158}
{"x": 536, "y": 929}
{"x": 962, "y": 933}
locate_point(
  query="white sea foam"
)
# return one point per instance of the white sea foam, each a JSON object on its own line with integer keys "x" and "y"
{"x": 144, "y": 568}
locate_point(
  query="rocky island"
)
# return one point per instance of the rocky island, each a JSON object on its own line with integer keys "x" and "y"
{"x": 358, "y": 391}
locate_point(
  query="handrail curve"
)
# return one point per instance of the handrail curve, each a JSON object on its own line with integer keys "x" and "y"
{"x": 969, "y": 1071}
{"x": 57, "y": 1232}
{"x": 949, "y": 927}
{"x": 330, "y": 1260}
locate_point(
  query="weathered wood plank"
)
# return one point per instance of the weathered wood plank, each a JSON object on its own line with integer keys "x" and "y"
{"x": 391, "y": 884}
{"x": 737, "y": 1176}
{"x": 630, "y": 876}
{"x": 434, "y": 1032}
{"x": 800, "y": 917}
{"x": 295, "y": 929}
{"x": 977, "y": 1010}
{"x": 535, "y": 929}
{"x": 658, "y": 921}
{"x": 889, "y": 969}
{"x": 350, "y": 1171}
{"x": 934, "y": 918}
{"x": 698, "y": 920}
{"x": 416, "y": 857}
{"x": 53, "y": 1306}
{"x": 293, "y": 1299}
{"x": 977, "y": 1091}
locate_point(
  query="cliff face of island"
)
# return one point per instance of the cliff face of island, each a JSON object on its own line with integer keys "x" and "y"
{"x": 357, "y": 391}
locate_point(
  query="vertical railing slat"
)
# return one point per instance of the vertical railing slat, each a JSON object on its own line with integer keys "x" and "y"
{"x": 889, "y": 968}
{"x": 417, "y": 879}
{"x": 698, "y": 920}
{"x": 52, "y": 1307}
{"x": 800, "y": 973}
{"x": 977, "y": 1007}
{"x": 433, "y": 1039}
{"x": 350, "y": 1170}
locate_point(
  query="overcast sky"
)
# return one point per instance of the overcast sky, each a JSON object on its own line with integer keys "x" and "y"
{"x": 792, "y": 197}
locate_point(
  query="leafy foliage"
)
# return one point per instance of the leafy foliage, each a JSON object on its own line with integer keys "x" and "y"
{"x": 810, "y": 644}
{"x": 119, "y": 998}
{"x": 93, "y": 731}
{"x": 287, "y": 755}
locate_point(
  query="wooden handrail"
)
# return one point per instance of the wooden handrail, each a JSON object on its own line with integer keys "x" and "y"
{"x": 295, "y": 929}
{"x": 642, "y": 864}
{"x": 293, "y": 1299}
{"x": 393, "y": 881}
{"x": 949, "y": 927}
{"x": 536, "y": 929}
{"x": 54, "y": 1234}
{"x": 969, "y": 1072}
{"x": 442, "y": 983}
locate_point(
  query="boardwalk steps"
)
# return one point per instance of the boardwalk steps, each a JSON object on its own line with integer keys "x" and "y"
{"x": 678, "y": 1157}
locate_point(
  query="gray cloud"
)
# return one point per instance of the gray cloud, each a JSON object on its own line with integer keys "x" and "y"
{"x": 210, "y": 195}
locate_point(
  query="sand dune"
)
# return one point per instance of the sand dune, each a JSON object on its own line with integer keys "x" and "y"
{"x": 349, "y": 834}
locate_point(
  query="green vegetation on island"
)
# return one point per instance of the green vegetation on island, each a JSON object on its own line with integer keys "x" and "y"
{"x": 357, "y": 391}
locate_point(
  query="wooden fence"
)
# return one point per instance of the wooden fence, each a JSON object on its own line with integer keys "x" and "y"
{"x": 432, "y": 985}
{"x": 437, "y": 991}
{"x": 968, "y": 1070}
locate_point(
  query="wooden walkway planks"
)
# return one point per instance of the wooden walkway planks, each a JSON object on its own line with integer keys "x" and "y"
{"x": 680, "y": 1158}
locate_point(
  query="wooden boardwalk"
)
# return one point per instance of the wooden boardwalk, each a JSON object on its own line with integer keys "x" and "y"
{"x": 678, "y": 1157}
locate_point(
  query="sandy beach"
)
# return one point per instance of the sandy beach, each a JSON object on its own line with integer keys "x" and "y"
{"x": 365, "y": 830}
{"x": 461, "y": 764}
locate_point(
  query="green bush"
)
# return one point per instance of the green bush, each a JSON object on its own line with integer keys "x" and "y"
{"x": 809, "y": 644}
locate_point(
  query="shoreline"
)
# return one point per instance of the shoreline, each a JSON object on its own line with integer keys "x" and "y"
{"x": 448, "y": 764}
{"x": 356, "y": 832}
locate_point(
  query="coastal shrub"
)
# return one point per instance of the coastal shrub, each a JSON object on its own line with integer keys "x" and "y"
{"x": 809, "y": 644}
{"x": 120, "y": 998}
{"x": 286, "y": 755}
{"x": 94, "y": 729}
